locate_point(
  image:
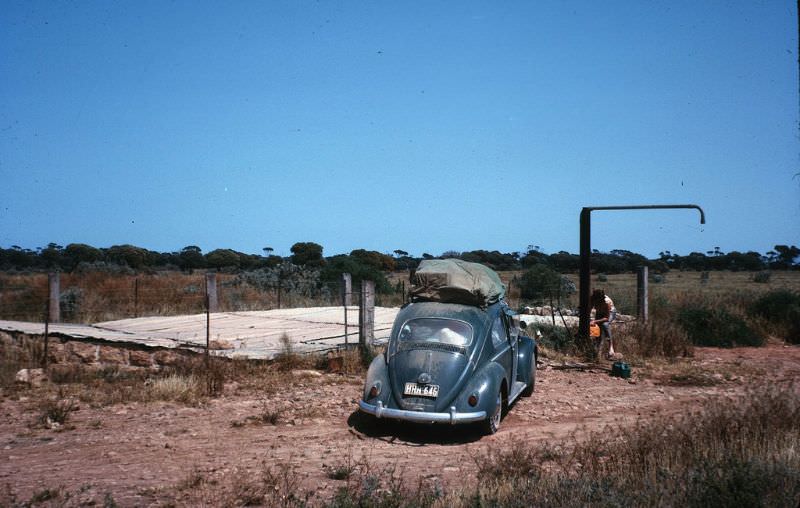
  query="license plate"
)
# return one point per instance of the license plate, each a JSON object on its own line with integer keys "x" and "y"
{"x": 418, "y": 390}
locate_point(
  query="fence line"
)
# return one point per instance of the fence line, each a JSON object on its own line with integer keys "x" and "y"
{"x": 32, "y": 310}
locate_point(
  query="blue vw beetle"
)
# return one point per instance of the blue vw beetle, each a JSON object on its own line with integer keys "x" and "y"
{"x": 451, "y": 363}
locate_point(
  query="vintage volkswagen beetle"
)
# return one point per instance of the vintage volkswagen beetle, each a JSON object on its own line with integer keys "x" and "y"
{"x": 451, "y": 363}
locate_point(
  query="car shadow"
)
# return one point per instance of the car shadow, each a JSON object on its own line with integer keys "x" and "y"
{"x": 412, "y": 434}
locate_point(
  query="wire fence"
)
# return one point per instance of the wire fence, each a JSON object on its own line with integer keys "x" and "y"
{"x": 94, "y": 298}
{"x": 87, "y": 307}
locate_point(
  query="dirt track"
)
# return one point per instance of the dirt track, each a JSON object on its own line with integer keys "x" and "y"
{"x": 140, "y": 453}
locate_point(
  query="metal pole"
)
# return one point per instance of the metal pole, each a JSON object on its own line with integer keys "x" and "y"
{"x": 346, "y": 339}
{"x": 346, "y": 289}
{"x": 46, "y": 334}
{"x": 584, "y": 289}
{"x": 641, "y": 294}
{"x": 586, "y": 251}
{"x": 208, "y": 331}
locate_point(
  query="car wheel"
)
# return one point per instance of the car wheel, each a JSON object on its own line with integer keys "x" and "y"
{"x": 528, "y": 391}
{"x": 491, "y": 424}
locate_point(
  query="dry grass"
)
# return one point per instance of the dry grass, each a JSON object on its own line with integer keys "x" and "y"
{"x": 85, "y": 495}
{"x": 175, "y": 387}
{"x": 54, "y": 412}
{"x": 736, "y": 452}
{"x": 274, "y": 485}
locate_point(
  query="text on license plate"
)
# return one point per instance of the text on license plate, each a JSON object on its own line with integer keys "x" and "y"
{"x": 419, "y": 390}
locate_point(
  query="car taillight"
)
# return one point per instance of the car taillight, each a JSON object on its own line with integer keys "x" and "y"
{"x": 473, "y": 400}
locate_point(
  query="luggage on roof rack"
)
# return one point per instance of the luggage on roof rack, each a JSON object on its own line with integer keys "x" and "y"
{"x": 456, "y": 281}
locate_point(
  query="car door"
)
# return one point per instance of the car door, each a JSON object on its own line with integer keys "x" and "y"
{"x": 513, "y": 340}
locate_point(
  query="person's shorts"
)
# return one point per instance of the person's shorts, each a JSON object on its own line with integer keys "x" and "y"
{"x": 605, "y": 329}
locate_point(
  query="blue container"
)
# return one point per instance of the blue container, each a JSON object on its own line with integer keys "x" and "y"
{"x": 621, "y": 369}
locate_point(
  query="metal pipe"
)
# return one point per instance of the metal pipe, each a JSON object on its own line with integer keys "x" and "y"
{"x": 584, "y": 291}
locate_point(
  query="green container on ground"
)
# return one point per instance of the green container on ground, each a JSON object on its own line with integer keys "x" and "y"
{"x": 621, "y": 369}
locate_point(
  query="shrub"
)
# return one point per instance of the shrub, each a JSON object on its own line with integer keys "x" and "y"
{"x": 781, "y": 308}
{"x": 557, "y": 338}
{"x": 70, "y": 302}
{"x": 716, "y": 328}
{"x": 762, "y": 277}
{"x": 657, "y": 337}
{"x": 56, "y": 412}
{"x": 776, "y": 305}
{"x": 187, "y": 389}
{"x": 541, "y": 282}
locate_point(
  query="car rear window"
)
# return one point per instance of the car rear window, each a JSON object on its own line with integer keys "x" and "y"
{"x": 445, "y": 331}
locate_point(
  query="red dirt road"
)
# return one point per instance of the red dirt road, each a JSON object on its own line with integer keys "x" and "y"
{"x": 141, "y": 454}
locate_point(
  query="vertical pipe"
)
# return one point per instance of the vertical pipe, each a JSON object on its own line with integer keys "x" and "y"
{"x": 208, "y": 330}
{"x": 46, "y": 334}
{"x": 584, "y": 290}
{"x": 347, "y": 295}
{"x": 642, "y": 290}
{"x": 209, "y": 387}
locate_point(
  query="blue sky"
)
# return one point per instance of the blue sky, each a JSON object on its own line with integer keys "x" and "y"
{"x": 424, "y": 126}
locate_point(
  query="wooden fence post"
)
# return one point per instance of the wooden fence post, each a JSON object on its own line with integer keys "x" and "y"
{"x": 54, "y": 307}
{"x": 641, "y": 294}
{"x": 211, "y": 292}
{"x": 347, "y": 289}
{"x": 366, "y": 314}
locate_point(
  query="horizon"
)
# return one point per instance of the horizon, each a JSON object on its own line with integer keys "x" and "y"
{"x": 391, "y": 252}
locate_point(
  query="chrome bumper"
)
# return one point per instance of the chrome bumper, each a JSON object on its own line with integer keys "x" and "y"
{"x": 451, "y": 417}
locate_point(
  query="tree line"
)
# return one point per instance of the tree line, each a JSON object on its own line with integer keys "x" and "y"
{"x": 79, "y": 256}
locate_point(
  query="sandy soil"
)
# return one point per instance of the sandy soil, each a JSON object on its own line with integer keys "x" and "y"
{"x": 141, "y": 454}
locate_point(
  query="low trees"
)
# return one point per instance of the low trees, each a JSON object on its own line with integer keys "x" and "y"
{"x": 307, "y": 254}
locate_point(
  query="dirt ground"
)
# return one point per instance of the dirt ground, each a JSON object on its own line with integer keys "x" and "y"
{"x": 148, "y": 454}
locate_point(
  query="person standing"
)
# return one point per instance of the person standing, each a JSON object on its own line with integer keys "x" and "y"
{"x": 604, "y": 314}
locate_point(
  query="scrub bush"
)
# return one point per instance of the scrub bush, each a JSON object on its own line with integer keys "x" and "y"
{"x": 556, "y": 338}
{"x": 717, "y": 328}
{"x": 541, "y": 282}
{"x": 762, "y": 277}
{"x": 781, "y": 309}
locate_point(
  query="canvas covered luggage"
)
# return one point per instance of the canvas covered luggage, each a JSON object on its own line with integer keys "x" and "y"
{"x": 456, "y": 281}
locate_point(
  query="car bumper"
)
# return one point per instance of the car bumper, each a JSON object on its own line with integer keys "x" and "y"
{"x": 453, "y": 417}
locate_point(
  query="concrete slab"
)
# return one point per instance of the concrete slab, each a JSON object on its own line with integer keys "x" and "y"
{"x": 255, "y": 334}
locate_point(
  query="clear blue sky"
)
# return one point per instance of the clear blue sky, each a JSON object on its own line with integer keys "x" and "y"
{"x": 423, "y": 126}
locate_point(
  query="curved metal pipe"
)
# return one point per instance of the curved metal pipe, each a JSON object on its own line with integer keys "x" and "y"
{"x": 586, "y": 251}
